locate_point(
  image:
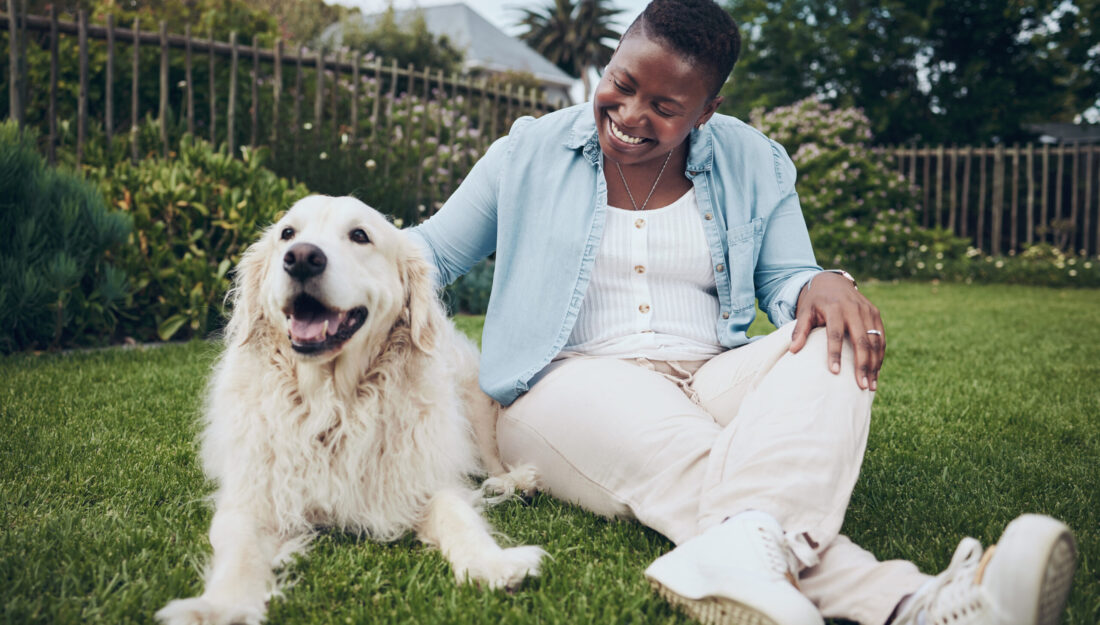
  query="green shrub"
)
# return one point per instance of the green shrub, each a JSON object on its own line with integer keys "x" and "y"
{"x": 194, "y": 214}
{"x": 58, "y": 282}
{"x": 470, "y": 293}
{"x": 861, "y": 214}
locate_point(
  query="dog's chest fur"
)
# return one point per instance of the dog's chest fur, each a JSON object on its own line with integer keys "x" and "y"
{"x": 367, "y": 460}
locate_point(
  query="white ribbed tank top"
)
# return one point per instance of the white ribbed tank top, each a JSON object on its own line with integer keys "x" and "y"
{"x": 652, "y": 292}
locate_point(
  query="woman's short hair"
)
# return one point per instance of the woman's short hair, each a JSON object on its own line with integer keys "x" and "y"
{"x": 700, "y": 30}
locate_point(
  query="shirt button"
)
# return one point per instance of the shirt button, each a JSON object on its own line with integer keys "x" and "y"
{"x": 639, "y": 269}
{"x": 708, "y": 216}
{"x": 725, "y": 315}
{"x": 639, "y": 223}
{"x": 644, "y": 308}
{"x": 720, "y": 268}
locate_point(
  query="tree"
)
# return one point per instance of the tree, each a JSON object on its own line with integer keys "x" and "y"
{"x": 965, "y": 71}
{"x": 572, "y": 35}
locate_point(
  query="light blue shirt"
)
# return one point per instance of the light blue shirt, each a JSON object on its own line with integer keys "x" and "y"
{"x": 538, "y": 198}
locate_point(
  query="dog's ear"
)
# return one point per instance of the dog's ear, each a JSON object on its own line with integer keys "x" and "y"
{"x": 423, "y": 311}
{"x": 247, "y": 318}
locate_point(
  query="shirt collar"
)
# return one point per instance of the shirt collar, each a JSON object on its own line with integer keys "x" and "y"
{"x": 583, "y": 135}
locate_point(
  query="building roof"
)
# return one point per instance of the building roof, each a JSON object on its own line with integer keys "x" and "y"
{"x": 1061, "y": 132}
{"x": 485, "y": 45}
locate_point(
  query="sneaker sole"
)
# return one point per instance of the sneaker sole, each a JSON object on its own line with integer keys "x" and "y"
{"x": 1051, "y": 552}
{"x": 713, "y": 610}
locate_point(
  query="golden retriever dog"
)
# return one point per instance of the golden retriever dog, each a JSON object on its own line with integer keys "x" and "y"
{"x": 344, "y": 398}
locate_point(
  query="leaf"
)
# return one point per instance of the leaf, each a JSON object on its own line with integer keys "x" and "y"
{"x": 168, "y": 328}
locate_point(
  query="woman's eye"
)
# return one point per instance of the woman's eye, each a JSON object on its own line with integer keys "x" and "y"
{"x": 359, "y": 236}
{"x": 621, "y": 87}
{"x": 287, "y": 234}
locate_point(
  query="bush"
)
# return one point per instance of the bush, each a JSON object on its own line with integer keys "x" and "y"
{"x": 194, "y": 212}
{"x": 470, "y": 293}
{"x": 861, "y": 214}
{"x": 58, "y": 282}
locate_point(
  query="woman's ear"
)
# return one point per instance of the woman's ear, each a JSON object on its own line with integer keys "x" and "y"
{"x": 708, "y": 111}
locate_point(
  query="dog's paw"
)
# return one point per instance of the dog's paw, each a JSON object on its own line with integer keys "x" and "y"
{"x": 202, "y": 611}
{"x": 522, "y": 478}
{"x": 506, "y": 569}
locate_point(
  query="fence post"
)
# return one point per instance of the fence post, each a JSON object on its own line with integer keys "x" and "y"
{"x": 135, "y": 121}
{"x": 1014, "y": 229}
{"x": 255, "y": 95}
{"x": 980, "y": 234}
{"x": 998, "y": 197}
{"x": 939, "y": 186}
{"x": 82, "y": 99}
{"x": 212, "y": 96}
{"x": 15, "y": 106}
{"x": 277, "y": 95}
{"x": 189, "y": 79}
{"x": 1030, "y": 164}
{"x": 109, "y": 82}
{"x": 231, "y": 113}
{"x": 319, "y": 95}
{"x": 964, "y": 213}
{"x": 163, "y": 108}
{"x": 1085, "y": 227}
{"x": 1073, "y": 197}
{"x": 54, "y": 44}
{"x": 1043, "y": 213}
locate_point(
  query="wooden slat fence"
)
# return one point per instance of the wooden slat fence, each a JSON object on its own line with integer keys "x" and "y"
{"x": 355, "y": 99}
{"x": 1004, "y": 197}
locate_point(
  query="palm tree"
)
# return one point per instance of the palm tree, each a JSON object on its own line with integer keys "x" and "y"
{"x": 572, "y": 35}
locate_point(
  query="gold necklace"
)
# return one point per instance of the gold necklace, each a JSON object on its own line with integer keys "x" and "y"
{"x": 651, "y": 190}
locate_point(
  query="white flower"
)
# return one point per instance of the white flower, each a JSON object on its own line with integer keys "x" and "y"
{"x": 308, "y": 125}
{"x": 323, "y": 155}
{"x": 1072, "y": 272}
{"x": 370, "y": 164}
{"x": 939, "y": 266}
{"x": 920, "y": 265}
{"x": 399, "y": 222}
{"x": 999, "y": 264}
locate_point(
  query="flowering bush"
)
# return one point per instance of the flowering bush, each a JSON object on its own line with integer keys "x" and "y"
{"x": 860, "y": 213}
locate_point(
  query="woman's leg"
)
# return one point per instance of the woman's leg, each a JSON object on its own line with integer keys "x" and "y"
{"x": 616, "y": 438}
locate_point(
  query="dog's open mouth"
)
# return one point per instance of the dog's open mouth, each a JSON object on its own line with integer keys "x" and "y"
{"x": 315, "y": 328}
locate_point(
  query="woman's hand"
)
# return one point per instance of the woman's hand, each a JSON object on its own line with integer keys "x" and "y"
{"x": 832, "y": 301}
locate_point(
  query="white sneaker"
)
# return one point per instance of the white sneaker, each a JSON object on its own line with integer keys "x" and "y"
{"x": 740, "y": 572}
{"x": 1022, "y": 580}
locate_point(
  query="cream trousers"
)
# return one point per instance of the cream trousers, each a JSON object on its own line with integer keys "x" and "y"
{"x": 681, "y": 446}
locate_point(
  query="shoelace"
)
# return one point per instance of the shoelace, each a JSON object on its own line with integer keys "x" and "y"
{"x": 954, "y": 597}
{"x": 781, "y": 558}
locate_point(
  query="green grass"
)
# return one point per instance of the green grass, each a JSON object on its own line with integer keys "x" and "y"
{"x": 987, "y": 408}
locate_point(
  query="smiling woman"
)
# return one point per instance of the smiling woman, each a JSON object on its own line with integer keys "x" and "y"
{"x": 619, "y": 311}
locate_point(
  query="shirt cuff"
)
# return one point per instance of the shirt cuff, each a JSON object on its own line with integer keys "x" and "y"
{"x": 785, "y": 306}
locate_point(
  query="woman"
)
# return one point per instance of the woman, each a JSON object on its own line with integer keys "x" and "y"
{"x": 633, "y": 239}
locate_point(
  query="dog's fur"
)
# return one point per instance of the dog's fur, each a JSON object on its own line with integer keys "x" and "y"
{"x": 370, "y": 428}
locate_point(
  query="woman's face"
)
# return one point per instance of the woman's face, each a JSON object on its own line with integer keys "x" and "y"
{"x": 648, "y": 101}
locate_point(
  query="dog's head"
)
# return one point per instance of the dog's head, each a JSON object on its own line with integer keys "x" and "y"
{"x": 329, "y": 275}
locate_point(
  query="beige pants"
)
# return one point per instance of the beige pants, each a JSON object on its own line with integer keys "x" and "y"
{"x": 681, "y": 446}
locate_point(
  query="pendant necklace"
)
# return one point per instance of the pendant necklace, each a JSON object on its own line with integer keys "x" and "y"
{"x": 651, "y": 190}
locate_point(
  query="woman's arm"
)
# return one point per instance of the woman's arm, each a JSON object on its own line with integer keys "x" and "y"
{"x": 464, "y": 230}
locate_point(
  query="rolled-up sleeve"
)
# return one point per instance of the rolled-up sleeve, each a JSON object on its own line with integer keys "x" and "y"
{"x": 786, "y": 262}
{"x": 464, "y": 230}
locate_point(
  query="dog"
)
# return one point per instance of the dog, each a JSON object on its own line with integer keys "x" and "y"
{"x": 344, "y": 398}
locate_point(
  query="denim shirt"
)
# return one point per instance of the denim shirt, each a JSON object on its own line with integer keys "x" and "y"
{"x": 538, "y": 198}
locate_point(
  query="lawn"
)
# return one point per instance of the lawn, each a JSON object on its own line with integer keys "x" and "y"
{"x": 987, "y": 407}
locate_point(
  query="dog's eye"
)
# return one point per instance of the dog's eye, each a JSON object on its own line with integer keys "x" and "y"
{"x": 287, "y": 234}
{"x": 359, "y": 236}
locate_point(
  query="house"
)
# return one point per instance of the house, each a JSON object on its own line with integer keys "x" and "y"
{"x": 488, "y": 50}
{"x": 1060, "y": 132}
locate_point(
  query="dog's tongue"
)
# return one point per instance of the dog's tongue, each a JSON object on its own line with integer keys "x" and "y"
{"x": 314, "y": 328}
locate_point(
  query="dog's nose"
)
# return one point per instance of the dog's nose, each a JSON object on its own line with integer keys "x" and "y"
{"x": 304, "y": 260}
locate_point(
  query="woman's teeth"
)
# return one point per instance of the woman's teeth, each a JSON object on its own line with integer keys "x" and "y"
{"x": 622, "y": 136}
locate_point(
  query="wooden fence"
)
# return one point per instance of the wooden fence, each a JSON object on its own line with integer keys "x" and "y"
{"x": 1003, "y": 197}
{"x": 351, "y": 94}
